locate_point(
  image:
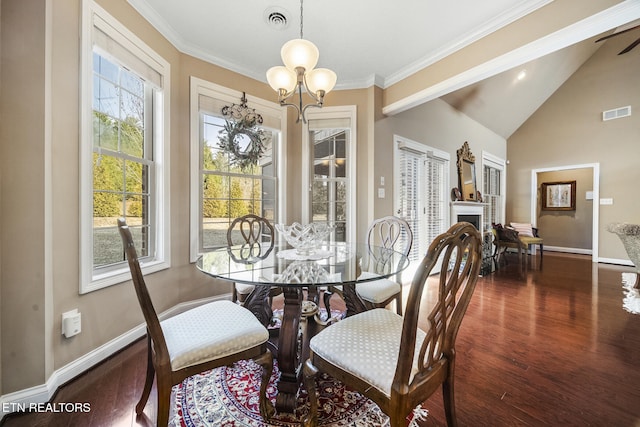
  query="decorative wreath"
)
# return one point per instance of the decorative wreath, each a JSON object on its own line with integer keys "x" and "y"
{"x": 229, "y": 141}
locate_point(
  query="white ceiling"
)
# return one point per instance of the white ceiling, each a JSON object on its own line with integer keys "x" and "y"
{"x": 368, "y": 41}
{"x": 371, "y": 42}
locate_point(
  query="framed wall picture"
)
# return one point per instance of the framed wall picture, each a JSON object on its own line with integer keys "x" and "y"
{"x": 559, "y": 196}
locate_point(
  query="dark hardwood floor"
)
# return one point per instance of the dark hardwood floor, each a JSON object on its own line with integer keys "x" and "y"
{"x": 553, "y": 349}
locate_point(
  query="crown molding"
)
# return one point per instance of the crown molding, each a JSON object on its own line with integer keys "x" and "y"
{"x": 502, "y": 20}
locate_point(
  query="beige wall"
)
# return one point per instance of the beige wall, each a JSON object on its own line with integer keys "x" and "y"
{"x": 22, "y": 244}
{"x": 567, "y": 230}
{"x": 568, "y": 130}
{"x": 437, "y": 125}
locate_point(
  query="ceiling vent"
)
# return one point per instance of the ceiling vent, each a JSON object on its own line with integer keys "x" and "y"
{"x": 276, "y": 18}
{"x": 616, "y": 113}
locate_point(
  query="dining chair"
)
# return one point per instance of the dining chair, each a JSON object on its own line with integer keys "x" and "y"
{"x": 389, "y": 232}
{"x": 211, "y": 335}
{"x": 255, "y": 234}
{"x": 396, "y": 361}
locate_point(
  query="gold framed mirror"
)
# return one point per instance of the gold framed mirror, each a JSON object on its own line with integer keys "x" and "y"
{"x": 467, "y": 173}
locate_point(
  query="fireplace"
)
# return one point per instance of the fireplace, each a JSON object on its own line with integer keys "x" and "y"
{"x": 473, "y": 219}
{"x": 472, "y": 212}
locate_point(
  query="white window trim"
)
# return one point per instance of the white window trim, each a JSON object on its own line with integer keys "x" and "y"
{"x": 337, "y": 112}
{"x": 203, "y": 87}
{"x": 92, "y": 14}
{"x": 499, "y": 163}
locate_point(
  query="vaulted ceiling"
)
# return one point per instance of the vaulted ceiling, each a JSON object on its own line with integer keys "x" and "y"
{"x": 370, "y": 42}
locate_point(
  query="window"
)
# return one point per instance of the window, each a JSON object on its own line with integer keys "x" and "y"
{"x": 421, "y": 184}
{"x": 492, "y": 189}
{"x": 222, "y": 191}
{"x": 328, "y": 144}
{"x": 123, "y": 172}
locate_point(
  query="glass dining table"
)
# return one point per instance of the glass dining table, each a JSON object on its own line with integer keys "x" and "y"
{"x": 300, "y": 277}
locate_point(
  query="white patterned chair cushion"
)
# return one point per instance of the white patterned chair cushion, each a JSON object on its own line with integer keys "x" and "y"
{"x": 376, "y": 291}
{"x": 366, "y": 345}
{"x": 243, "y": 288}
{"x": 211, "y": 331}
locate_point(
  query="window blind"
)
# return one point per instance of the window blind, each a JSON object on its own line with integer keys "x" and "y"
{"x": 492, "y": 197}
{"x": 436, "y": 206}
{"x": 411, "y": 165}
{"x": 107, "y": 39}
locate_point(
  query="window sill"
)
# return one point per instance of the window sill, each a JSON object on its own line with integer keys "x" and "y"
{"x": 121, "y": 275}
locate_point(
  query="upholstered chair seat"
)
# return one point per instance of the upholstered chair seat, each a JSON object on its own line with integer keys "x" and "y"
{"x": 211, "y": 331}
{"x": 367, "y": 346}
{"x": 377, "y": 291}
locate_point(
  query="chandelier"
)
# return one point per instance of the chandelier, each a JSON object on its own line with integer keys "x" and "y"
{"x": 299, "y": 57}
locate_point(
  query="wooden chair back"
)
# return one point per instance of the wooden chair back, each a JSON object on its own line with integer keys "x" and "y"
{"x": 461, "y": 257}
{"x": 144, "y": 299}
{"x": 254, "y": 233}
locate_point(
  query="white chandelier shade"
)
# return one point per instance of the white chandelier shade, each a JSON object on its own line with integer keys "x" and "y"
{"x": 281, "y": 78}
{"x": 299, "y": 57}
{"x": 320, "y": 79}
{"x": 299, "y": 53}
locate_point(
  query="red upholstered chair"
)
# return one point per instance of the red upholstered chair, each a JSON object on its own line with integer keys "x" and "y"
{"x": 206, "y": 337}
{"x": 387, "y": 357}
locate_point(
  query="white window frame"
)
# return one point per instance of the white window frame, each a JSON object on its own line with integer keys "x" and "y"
{"x": 500, "y": 164}
{"x": 203, "y": 87}
{"x": 95, "y": 16}
{"x": 336, "y": 112}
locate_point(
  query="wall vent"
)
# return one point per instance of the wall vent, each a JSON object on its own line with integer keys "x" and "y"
{"x": 616, "y": 113}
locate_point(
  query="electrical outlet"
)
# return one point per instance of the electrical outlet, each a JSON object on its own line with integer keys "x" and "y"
{"x": 71, "y": 323}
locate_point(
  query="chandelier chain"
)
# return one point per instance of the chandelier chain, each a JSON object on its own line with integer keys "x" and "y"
{"x": 301, "y": 19}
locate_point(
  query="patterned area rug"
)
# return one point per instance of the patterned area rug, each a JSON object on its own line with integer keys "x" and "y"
{"x": 228, "y": 397}
{"x": 631, "y": 300}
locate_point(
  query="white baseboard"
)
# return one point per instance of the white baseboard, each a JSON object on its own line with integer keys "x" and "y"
{"x": 568, "y": 250}
{"x": 18, "y": 400}
{"x": 615, "y": 261}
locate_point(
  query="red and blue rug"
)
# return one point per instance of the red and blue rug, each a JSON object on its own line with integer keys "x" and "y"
{"x": 228, "y": 397}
